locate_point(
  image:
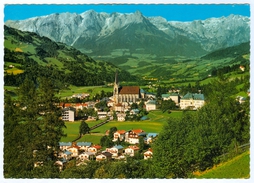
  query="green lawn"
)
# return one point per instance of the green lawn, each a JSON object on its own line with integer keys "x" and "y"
{"x": 238, "y": 167}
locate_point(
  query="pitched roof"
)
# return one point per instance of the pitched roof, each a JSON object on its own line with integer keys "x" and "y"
{"x": 194, "y": 96}
{"x": 108, "y": 154}
{"x": 65, "y": 143}
{"x": 134, "y": 147}
{"x": 165, "y": 95}
{"x": 84, "y": 143}
{"x": 97, "y": 146}
{"x": 151, "y": 102}
{"x": 121, "y": 131}
{"x": 137, "y": 131}
{"x": 67, "y": 152}
{"x": 129, "y": 90}
{"x": 152, "y": 135}
{"x": 118, "y": 147}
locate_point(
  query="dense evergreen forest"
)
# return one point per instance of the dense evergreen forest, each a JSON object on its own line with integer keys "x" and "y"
{"x": 196, "y": 141}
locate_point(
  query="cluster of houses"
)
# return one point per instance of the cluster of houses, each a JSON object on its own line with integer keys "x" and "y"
{"x": 86, "y": 151}
{"x": 191, "y": 101}
{"x": 124, "y": 96}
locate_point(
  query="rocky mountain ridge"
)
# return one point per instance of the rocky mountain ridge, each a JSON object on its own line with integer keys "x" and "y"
{"x": 94, "y": 32}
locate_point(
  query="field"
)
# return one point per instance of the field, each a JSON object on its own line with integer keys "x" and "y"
{"x": 238, "y": 167}
{"x": 92, "y": 90}
{"x": 155, "y": 124}
{"x": 177, "y": 68}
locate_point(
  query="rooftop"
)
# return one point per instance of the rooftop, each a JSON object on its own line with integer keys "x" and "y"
{"x": 194, "y": 96}
{"x": 129, "y": 90}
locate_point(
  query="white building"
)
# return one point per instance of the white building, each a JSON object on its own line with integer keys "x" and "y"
{"x": 121, "y": 116}
{"x": 131, "y": 150}
{"x": 68, "y": 114}
{"x": 150, "y": 105}
{"x": 192, "y": 101}
{"x": 173, "y": 96}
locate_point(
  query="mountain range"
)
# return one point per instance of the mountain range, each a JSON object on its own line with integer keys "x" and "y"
{"x": 96, "y": 33}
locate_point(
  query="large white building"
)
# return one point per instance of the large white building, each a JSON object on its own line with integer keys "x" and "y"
{"x": 192, "y": 101}
{"x": 173, "y": 96}
{"x": 68, "y": 114}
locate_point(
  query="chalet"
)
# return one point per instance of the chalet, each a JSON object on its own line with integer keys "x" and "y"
{"x": 83, "y": 146}
{"x": 86, "y": 156}
{"x": 192, "y": 101}
{"x": 148, "y": 154}
{"x": 95, "y": 149}
{"x": 132, "y": 136}
{"x": 74, "y": 149}
{"x": 115, "y": 151}
{"x": 150, "y": 137}
{"x": 67, "y": 155}
{"x": 131, "y": 150}
{"x": 64, "y": 145}
{"x": 119, "y": 134}
{"x": 104, "y": 156}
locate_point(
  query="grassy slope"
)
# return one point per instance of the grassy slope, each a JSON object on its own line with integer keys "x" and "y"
{"x": 83, "y": 89}
{"x": 238, "y": 167}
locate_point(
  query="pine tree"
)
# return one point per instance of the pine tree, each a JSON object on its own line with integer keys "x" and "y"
{"x": 33, "y": 128}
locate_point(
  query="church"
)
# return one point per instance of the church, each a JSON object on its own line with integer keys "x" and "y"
{"x": 129, "y": 94}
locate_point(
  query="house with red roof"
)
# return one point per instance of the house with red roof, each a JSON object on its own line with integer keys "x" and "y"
{"x": 132, "y": 136}
{"x": 131, "y": 150}
{"x": 95, "y": 149}
{"x": 119, "y": 134}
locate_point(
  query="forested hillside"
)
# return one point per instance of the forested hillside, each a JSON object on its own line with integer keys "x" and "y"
{"x": 232, "y": 52}
{"x": 29, "y": 55}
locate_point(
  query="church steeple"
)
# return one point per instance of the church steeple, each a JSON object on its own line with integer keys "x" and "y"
{"x": 116, "y": 88}
{"x": 116, "y": 78}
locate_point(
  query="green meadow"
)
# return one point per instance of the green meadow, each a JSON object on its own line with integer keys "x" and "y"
{"x": 238, "y": 167}
{"x": 155, "y": 123}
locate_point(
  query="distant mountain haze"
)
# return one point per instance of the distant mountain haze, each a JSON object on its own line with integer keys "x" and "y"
{"x": 100, "y": 33}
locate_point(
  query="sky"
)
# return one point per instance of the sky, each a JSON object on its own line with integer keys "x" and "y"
{"x": 172, "y": 12}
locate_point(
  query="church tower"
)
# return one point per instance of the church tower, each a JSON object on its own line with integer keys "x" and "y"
{"x": 116, "y": 88}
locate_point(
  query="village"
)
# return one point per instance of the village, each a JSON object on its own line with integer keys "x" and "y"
{"x": 120, "y": 109}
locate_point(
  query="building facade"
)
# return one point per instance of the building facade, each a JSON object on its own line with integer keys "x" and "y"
{"x": 68, "y": 114}
{"x": 192, "y": 101}
{"x": 125, "y": 93}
